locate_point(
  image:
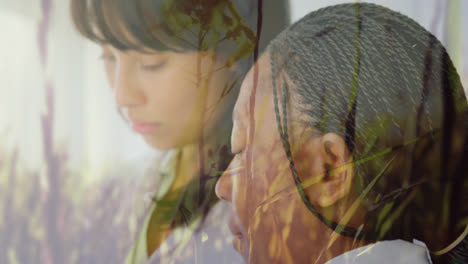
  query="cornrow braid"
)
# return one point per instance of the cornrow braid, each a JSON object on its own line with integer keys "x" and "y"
{"x": 380, "y": 80}
{"x": 283, "y": 130}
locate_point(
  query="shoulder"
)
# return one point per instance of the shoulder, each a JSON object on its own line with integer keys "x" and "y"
{"x": 383, "y": 252}
{"x": 147, "y": 185}
{"x": 209, "y": 241}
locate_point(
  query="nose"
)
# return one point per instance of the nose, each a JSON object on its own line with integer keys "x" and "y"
{"x": 224, "y": 186}
{"x": 126, "y": 89}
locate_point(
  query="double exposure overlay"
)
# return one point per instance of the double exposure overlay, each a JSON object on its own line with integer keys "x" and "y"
{"x": 234, "y": 131}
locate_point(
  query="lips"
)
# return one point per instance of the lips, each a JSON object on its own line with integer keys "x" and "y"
{"x": 234, "y": 227}
{"x": 144, "y": 128}
{"x": 236, "y": 231}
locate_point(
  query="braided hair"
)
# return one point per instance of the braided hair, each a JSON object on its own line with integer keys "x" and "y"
{"x": 390, "y": 89}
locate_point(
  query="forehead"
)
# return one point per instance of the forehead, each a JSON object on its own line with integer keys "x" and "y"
{"x": 257, "y": 82}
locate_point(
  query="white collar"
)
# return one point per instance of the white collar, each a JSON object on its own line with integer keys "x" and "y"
{"x": 383, "y": 252}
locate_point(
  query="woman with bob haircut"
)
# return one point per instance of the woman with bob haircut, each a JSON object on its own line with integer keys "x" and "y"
{"x": 350, "y": 138}
{"x": 175, "y": 68}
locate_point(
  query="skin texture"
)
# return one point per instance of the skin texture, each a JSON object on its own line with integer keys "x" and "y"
{"x": 269, "y": 219}
{"x": 180, "y": 93}
{"x": 186, "y": 98}
{"x": 184, "y": 95}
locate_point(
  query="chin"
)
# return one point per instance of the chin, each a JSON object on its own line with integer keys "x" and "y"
{"x": 244, "y": 250}
{"x": 160, "y": 144}
{"x": 168, "y": 141}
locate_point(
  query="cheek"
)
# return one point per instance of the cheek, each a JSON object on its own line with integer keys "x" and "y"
{"x": 221, "y": 90}
{"x": 272, "y": 233}
{"x": 246, "y": 193}
{"x": 255, "y": 192}
{"x": 170, "y": 97}
{"x": 271, "y": 168}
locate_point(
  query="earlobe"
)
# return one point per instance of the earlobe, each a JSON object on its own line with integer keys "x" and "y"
{"x": 337, "y": 164}
{"x": 324, "y": 165}
{"x": 334, "y": 189}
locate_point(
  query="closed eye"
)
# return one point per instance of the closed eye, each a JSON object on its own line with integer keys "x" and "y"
{"x": 107, "y": 58}
{"x": 234, "y": 171}
{"x": 153, "y": 67}
{"x": 235, "y": 152}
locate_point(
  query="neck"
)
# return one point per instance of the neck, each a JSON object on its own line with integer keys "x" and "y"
{"x": 205, "y": 157}
{"x": 344, "y": 213}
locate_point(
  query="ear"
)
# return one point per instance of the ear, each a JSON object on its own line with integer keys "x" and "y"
{"x": 325, "y": 168}
{"x": 337, "y": 165}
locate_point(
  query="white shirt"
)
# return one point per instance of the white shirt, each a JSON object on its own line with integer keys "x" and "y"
{"x": 386, "y": 252}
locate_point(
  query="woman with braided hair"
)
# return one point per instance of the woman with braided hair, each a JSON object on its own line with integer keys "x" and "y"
{"x": 175, "y": 68}
{"x": 351, "y": 145}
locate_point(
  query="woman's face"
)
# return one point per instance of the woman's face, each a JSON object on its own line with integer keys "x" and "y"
{"x": 169, "y": 98}
{"x": 270, "y": 222}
